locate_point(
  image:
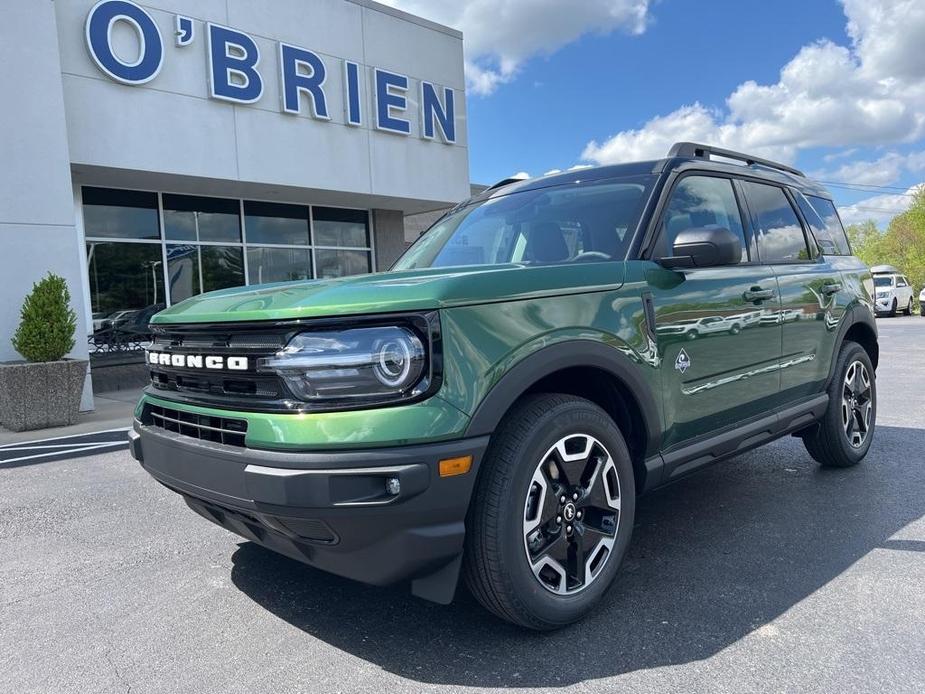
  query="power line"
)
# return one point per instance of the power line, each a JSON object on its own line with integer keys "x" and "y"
{"x": 856, "y": 187}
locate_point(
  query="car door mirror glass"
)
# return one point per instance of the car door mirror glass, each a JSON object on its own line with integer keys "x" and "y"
{"x": 706, "y": 246}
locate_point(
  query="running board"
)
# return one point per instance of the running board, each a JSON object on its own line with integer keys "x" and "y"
{"x": 695, "y": 455}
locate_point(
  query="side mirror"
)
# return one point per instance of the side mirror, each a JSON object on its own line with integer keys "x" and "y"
{"x": 708, "y": 246}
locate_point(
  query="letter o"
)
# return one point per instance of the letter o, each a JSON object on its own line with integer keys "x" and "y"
{"x": 100, "y": 22}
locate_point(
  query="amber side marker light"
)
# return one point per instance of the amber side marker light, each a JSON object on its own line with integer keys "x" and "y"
{"x": 455, "y": 466}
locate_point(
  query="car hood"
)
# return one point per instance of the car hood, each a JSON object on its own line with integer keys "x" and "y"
{"x": 388, "y": 292}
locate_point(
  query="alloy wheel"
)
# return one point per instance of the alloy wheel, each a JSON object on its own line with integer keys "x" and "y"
{"x": 856, "y": 404}
{"x": 571, "y": 514}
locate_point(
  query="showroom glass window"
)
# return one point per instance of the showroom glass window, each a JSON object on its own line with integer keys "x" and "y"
{"x": 211, "y": 255}
{"x": 140, "y": 242}
{"x": 341, "y": 239}
{"x": 124, "y": 258}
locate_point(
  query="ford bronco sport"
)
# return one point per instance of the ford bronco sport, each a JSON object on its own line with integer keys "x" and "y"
{"x": 492, "y": 406}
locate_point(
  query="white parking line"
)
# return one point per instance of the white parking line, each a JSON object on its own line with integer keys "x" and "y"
{"x": 75, "y": 449}
{"x": 19, "y": 444}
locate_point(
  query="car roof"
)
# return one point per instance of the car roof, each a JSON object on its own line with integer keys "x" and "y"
{"x": 681, "y": 157}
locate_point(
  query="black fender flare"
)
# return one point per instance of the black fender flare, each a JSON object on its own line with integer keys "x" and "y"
{"x": 853, "y": 315}
{"x": 561, "y": 356}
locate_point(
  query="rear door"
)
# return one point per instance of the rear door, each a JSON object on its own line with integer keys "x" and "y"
{"x": 717, "y": 356}
{"x": 810, "y": 287}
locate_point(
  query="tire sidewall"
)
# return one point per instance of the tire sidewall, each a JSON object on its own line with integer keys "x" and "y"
{"x": 851, "y": 353}
{"x": 576, "y": 417}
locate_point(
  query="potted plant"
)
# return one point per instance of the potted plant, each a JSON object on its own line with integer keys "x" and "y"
{"x": 44, "y": 390}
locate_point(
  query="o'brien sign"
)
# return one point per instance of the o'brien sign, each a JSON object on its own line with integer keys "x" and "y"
{"x": 234, "y": 75}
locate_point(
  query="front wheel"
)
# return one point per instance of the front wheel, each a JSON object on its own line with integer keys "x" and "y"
{"x": 908, "y": 310}
{"x": 843, "y": 436}
{"x": 552, "y": 514}
{"x": 893, "y": 309}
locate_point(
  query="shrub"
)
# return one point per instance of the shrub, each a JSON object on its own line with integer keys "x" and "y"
{"x": 47, "y": 322}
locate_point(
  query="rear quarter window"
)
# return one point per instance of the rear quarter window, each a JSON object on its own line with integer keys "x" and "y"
{"x": 825, "y": 224}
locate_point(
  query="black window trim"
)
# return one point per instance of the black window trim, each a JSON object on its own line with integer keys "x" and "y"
{"x": 653, "y": 233}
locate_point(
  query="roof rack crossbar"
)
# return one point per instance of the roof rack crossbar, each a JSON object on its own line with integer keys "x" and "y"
{"x": 693, "y": 150}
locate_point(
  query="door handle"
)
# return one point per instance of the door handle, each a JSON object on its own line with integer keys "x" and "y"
{"x": 757, "y": 294}
{"x": 831, "y": 288}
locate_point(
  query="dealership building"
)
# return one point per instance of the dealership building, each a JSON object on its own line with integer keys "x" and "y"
{"x": 155, "y": 150}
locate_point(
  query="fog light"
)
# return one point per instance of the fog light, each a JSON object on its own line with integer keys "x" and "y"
{"x": 393, "y": 486}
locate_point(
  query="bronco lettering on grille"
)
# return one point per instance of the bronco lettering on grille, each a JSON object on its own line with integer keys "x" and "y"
{"x": 198, "y": 361}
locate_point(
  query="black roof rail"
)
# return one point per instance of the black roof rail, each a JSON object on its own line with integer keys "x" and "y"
{"x": 504, "y": 182}
{"x": 692, "y": 150}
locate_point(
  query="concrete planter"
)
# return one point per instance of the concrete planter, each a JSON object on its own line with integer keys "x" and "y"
{"x": 40, "y": 395}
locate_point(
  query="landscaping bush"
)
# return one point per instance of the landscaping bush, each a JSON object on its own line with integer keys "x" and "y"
{"x": 47, "y": 323}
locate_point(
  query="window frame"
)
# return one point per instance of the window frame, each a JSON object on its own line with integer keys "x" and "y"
{"x": 665, "y": 200}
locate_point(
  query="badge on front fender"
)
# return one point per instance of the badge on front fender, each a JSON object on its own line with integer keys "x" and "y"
{"x": 683, "y": 362}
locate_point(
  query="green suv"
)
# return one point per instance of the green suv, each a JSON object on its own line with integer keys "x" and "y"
{"x": 543, "y": 354}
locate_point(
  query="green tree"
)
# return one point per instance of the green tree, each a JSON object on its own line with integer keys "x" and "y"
{"x": 47, "y": 321}
{"x": 901, "y": 245}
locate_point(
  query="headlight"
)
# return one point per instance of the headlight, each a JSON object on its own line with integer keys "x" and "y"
{"x": 374, "y": 364}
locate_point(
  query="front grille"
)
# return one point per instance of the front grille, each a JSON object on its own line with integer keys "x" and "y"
{"x": 226, "y": 430}
{"x": 245, "y": 389}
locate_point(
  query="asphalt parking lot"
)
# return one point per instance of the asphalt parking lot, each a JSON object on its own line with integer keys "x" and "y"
{"x": 764, "y": 573}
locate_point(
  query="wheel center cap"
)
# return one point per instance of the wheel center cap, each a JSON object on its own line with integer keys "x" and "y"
{"x": 569, "y": 512}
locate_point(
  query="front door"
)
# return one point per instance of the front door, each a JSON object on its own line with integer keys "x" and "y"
{"x": 717, "y": 329}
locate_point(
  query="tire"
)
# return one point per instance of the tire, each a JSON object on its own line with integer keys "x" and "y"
{"x": 735, "y": 329}
{"x": 499, "y": 566}
{"x": 692, "y": 334}
{"x": 828, "y": 440}
{"x": 908, "y": 310}
{"x": 922, "y": 310}
{"x": 893, "y": 309}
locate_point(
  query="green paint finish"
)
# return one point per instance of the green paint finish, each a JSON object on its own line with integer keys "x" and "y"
{"x": 423, "y": 422}
{"x": 392, "y": 292}
{"x": 482, "y": 343}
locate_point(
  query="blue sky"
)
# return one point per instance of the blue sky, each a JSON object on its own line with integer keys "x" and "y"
{"x": 836, "y": 87}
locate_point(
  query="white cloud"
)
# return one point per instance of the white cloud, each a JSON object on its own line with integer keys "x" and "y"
{"x": 880, "y": 172}
{"x": 880, "y": 208}
{"x": 869, "y": 93}
{"x": 500, "y": 35}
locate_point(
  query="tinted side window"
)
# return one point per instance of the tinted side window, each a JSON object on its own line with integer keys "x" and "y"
{"x": 699, "y": 201}
{"x": 780, "y": 234}
{"x": 826, "y": 210}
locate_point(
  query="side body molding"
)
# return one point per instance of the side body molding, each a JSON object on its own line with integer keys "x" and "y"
{"x": 561, "y": 356}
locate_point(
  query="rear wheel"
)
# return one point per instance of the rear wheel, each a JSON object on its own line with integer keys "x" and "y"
{"x": 843, "y": 436}
{"x": 552, "y": 514}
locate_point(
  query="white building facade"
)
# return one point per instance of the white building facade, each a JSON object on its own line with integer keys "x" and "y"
{"x": 155, "y": 150}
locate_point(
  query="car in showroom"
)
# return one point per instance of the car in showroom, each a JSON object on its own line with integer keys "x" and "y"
{"x": 491, "y": 407}
{"x": 893, "y": 292}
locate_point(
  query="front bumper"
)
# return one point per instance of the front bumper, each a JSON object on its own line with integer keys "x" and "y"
{"x": 331, "y": 510}
{"x": 884, "y": 305}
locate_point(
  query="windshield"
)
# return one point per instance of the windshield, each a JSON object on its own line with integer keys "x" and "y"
{"x": 883, "y": 281}
{"x": 569, "y": 223}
